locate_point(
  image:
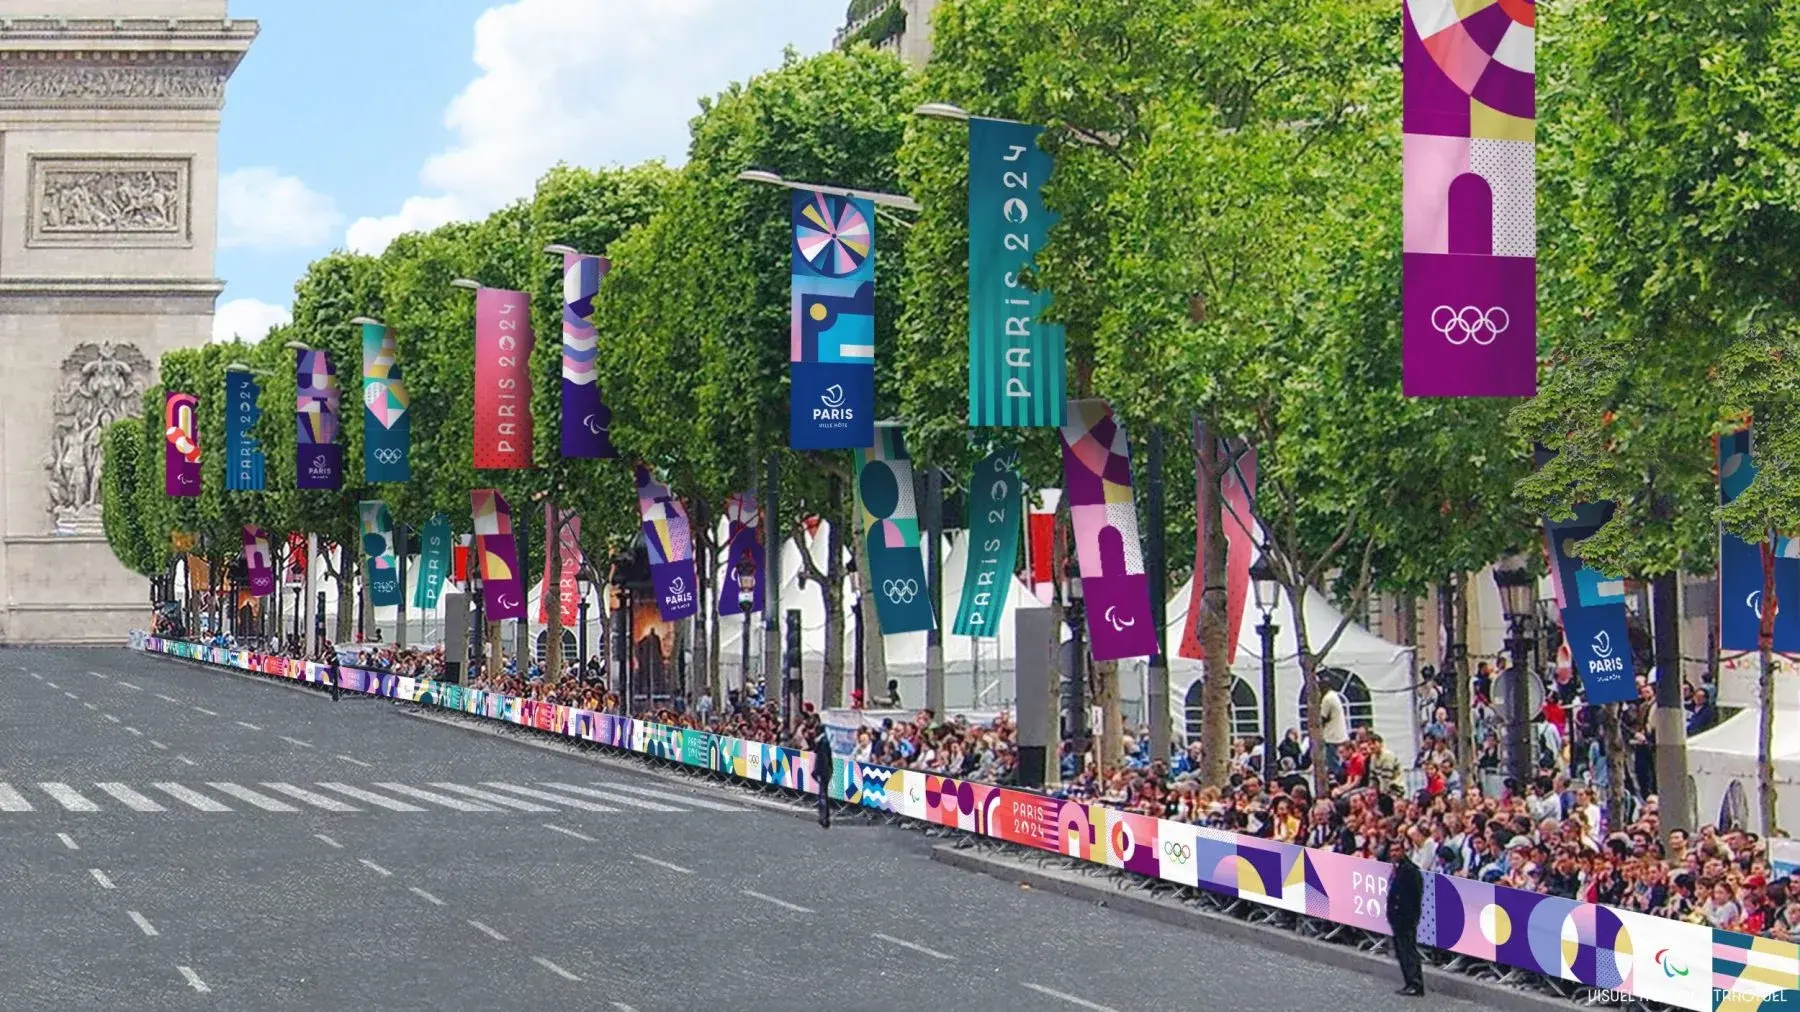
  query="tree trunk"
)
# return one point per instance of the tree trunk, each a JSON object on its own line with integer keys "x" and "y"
{"x": 832, "y": 687}
{"x": 1615, "y": 753}
{"x": 875, "y": 672}
{"x": 1674, "y": 795}
{"x": 1109, "y": 748}
{"x": 1462, "y": 680}
{"x": 496, "y": 655}
{"x": 1765, "y": 730}
{"x": 346, "y": 597}
{"x": 1309, "y": 681}
{"x": 551, "y": 597}
{"x": 1216, "y": 678}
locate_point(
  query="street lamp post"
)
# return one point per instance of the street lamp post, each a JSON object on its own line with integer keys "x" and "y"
{"x": 1074, "y": 690}
{"x": 1262, "y": 579}
{"x": 746, "y": 581}
{"x": 582, "y": 586}
{"x": 1518, "y": 600}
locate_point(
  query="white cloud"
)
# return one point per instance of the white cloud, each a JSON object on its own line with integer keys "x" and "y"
{"x": 590, "y": 82}
{"x": 260, "y": 207}
{"x": 249, "y": 319}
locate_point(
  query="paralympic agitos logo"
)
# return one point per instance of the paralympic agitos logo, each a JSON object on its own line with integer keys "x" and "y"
{"x": 1670, "y": 966}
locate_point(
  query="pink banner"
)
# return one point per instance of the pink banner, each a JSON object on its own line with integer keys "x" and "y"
{"x": 259, "y": 566}
{"x": 502, "y": 379}
{"x": 569, "y": 589}
{"x": 1239, "y": 486}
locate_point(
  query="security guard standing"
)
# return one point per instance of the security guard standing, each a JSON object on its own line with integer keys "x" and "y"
{"x": 1405, "y": 897}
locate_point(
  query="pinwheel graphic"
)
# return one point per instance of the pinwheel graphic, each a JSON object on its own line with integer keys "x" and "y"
{"x": 832, "y": 235}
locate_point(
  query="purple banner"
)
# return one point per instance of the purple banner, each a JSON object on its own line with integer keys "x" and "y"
{"x": 318, "y": 459}
{"x": 670, "y": 545}
{"x": 258, "y": 563}
{"x": 743, "y": 540}
{"x": 181, "y": 445}
{"x": 586, "y": 422}
{"x": 1097, "y": 481}
{"x": 502, "y": 586}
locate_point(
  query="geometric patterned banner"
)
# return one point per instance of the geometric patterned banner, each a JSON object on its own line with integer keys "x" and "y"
{"x": 743, "y": 539}
{"x": 1238, "y": 525}
{"x": 1469, "y": 260}
{"x": 568, "y": 590}
{"x": 258, "y": 561}
{"x": 1741, "y": 603}
{"x": 1097, "y": 481}
{"x": 318, "y": 459}
{"x": 378, "y": 549}
{"x": 671, "y": 547}
{"x": 586, "y": 422}
{"x": 387, "y": 428}
{"x": 502, "y": 588}
{"x": 890, "y": 522}
{"x": 832, "y": 342}
{"x": 181, "y": 445}
{"x": 243, "y": 456}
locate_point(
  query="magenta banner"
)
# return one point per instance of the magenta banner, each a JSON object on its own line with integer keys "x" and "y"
{"x": 259, "y": 566}
{"x": 502, "y": 586}
{"x": 181, "y": 445}
{"x": 1469, "y": 289}
{"x": 503, "y": 342}
{"x": 1097, "y": 481}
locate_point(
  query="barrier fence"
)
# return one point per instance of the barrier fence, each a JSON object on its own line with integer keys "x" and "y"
{"x": 1689, "y": 966}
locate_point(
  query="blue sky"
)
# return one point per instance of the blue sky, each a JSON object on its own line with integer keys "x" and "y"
{"x": 351, "y": 122}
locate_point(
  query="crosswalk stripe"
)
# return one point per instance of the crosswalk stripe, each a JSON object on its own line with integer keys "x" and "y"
{"x": 372, "y": 798}
{"x": 11, "y": 800}
{"x": 437, "y": 799}
{"x": 555, "y": 799}
{"x": 649, "y": 806}
{"x": 672, "y": 796}
{"x": 191, "y": 798}
{"x": 262, "y": 801}
{"x": 67, "y": 797}
{"x": 132, "y": 799}
{"x": 315, "y": 800}
{"x": 498, "y": 799}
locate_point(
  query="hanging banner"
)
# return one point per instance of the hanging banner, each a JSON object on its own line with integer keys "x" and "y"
{"x": 1097, "y": 480}
{"x": 743, "y": 542}
{"x": 832, "y": 394}
{"x": 379, "y": 554}
{"x": 259, "y": 564}
{"x": 1016, "y": 366}
{"x": 586, "y": 422}
{"x": 387, "y": 427}
{"x": 996, "y": 500}
{"x": 503, "y": 340}
{"x": 1040, "y": 544}
{"x": 243, "y": 454}
{"x": 1469, "y": 285}
{"x": 502, "y": 589}
{"x": 294, "y": 573}
{"x": 568, "y": 590}
{"x": 1740, "y": 565}
{"x": 461, "y": 557}
{"x": 434, "y": 562}
{"x": 181, "y": 445}
{"x": 318, "y": 459}
{"x": 671, "y": 547}
{"x": 1238, "y": 484}
{"x": 890, "y": 521}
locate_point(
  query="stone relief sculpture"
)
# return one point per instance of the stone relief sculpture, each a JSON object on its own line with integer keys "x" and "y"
{"x": 101, "y": 383}
{"x": 86, "y": 199}
{"x": 183, "y": 84}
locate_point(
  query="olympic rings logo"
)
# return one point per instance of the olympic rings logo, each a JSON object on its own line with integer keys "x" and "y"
{"x": 900, "y": 591}
{"x": 1460, "y": 326}
{"x": 387, "y": 456}
{"x": 1180, "y": 853}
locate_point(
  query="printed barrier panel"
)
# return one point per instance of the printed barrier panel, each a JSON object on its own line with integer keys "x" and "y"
{"x": 1687, "y": 966}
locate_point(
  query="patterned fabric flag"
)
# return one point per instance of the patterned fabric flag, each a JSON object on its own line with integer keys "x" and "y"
{"x": 503, "y": 340}
{"x": 434, "y": 562}
{"x": 890, "y": 520}
{"x": 1097, "y": 480}
{"x": 502, "y": 588}
{"x": 1740, "y": 565}
{"x": 243, "y": 454}
{"x": 259, "y": 564}
{"x": 318, "y": 459}
{"x": 586, "y": 421}
{"x": 1469, "y": 289}
{"x": 387, "y": 427}
{"x": 1239, "y": 525}
{"x": 743, "y": 538}
{"x": 832, "y": 353}
{"x": 996, "y": 499}
{"x": 1016, "y": 366}
{"x": 379, "y": 555}
{"x": 295, "y": 570}
{"x": 181, "y": 445}
{"x": 568, "y": 589}
{"x": 670, "y": 545}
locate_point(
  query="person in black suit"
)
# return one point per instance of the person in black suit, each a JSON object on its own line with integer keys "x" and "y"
{"x": 1405, "y": 896}
{"x": 332, "y": 670}
{"x": 821, "y": 748}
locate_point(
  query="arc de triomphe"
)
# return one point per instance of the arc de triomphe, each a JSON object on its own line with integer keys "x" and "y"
{"x": 109, "y": 124}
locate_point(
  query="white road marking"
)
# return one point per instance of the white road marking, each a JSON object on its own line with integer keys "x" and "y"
{"x": 110, "y": 717}
{"x": 766, "y": 898}
{"x": 98, "y": 675}
{"x": 132, "y": 799}
{"x": 497, "y": 799}
{"x": 68, "y": 841}
{"x": 372, "y": 866}
{"x": 455, "y": 804}
{"x": 315, "y": 800}
{"x": 135, "y": 731}
{"x": 262, "y": 801}
{"x": 37, "y": 676}
{"x": 1071, "y": 999}
{"x": 132, "y": 687}
{"x": 53, "y": 685}
{"x": 90, "y": 706}
{"x": 329, "y": 842}
{"x": 358, "y": 762}
{"x": 570, "y": 832}
{"x": 555, "y": 799}
{"x": 619, "y": 1006}
{"x": 553, "y": 968}
{"x": 159, "y": 744}
{"x": 71, "y": 695}
{"x": 209, "y": 713}
{"x": 295, "y": 741}
{"x": 660, "y": 863}
{"x": 372, "y": 798}
{"x": 191, "y": 798}
{"x": 11, "y": 800}
{"x": 68, "y": 798}
{"x": 649, "y": 806}
{"x": 427, "y": 897}
{"x": 245, "y": 723}
{"x": 100, "y": 877}
{"x": 142, "y": 923}
{"x": 167, "y": 699}
{"x": 193, "y": 979}
{"x": 490, "y": 932}
{"x": 903, "y": 943}
{"x": 185, "y": 759}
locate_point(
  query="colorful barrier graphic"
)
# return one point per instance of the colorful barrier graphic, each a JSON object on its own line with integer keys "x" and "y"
{"x": 1650, "y": 957}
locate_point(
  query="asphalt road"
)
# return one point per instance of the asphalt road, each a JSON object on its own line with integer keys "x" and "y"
{"x": 173, "y": 837}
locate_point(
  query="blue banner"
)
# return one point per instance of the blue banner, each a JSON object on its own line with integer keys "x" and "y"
{"x": 387, "y": 427}
{"x": 382, "y": 564}
{"x": 832, "y": 338}
{"x": 890, "y": 523}
{"x": 243, "y": 454}
{"x": 1740, "y": 565}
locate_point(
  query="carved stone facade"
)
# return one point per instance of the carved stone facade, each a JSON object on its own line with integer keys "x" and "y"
{"x": 101, "y": 383}
{"x": 92, "y": 84}
{"x": 109, "y": 200}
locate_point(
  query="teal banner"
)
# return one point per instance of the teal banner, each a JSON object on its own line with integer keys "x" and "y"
{"x": 378, "y": 554}
{"x": 996, "y": 506}
{"x": 387, "y": 428}
{"x": 1016, "y": 371}
{"x": 890, "y": 515}
{"x": 434, "y": 562}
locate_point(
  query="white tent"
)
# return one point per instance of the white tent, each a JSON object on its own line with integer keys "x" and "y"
{"x": 1379, "y": 695}
{"x": 1722, "y": 762}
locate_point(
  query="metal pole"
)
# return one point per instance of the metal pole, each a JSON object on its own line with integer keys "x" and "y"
{"x": 1158, "y": 689}
{"x": 1518, "y": 703}
{"x": 583, "y": 647}
{"x": 1672, "y": 788}
{"x": 744, "y": 658}
{"x": 1268, "y": 630}
{"x": 400, "y": 533}
{"x": 771, "y": 505}
{"x": 934, "y": 564}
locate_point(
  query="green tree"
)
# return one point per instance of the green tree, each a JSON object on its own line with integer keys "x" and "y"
{"x": 124, "y": 465}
